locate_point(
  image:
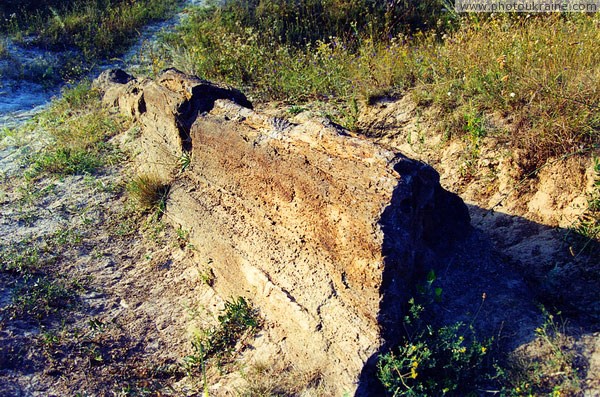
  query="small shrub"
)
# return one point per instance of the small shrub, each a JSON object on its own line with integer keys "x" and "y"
{"x": 149, "y": 192}
{"x": 433, "y": 361}
{"x": 237, "y": 321}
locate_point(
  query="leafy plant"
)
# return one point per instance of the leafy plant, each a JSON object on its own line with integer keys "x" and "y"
{"x": 296, "y": 109}
{"x": 433, "y": 361}
{"x": 237, "y": 321}
{"x": 184, "y": 161}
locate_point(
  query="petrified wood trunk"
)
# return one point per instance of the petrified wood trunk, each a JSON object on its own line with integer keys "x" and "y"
{"x": 322, "y": 231}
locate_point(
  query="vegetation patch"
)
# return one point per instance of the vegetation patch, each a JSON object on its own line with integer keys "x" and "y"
{"x": 237, "y": 322}
{"x": 505, "y": 64}
{"x": 434, "y": 360}
{"x": 79, "y": 128}
{"x": 20, "y": 258}
{"x": 549, "y": 366}
{"x": 96, "y": 28}
{"x": 40, "y": 296}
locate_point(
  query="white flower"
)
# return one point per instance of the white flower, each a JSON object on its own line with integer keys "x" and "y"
{"x": 512, "y": 94}
{"x": 449, "y": 93}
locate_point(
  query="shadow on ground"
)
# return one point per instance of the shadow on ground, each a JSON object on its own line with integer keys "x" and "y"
{"x": 494, "y": 274}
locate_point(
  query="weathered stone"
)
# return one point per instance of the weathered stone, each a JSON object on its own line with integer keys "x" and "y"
{"x": 324, "y": 232}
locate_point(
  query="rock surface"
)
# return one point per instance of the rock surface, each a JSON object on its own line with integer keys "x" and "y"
{"x": 324, "y": 232}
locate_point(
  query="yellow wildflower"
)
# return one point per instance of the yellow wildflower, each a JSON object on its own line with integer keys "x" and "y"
{"x": 413, "y": 373}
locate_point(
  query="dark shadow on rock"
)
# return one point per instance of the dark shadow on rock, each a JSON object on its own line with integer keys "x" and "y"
{"x": 483, "y": 282}
{"x": 561, "y": 267}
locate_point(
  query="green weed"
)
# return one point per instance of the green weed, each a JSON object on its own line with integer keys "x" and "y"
{"x": 296, "y": 109}
{"x": 39, "y": 297}
{"x": 433, "y": 361}
{"x": 238, "y": 321}
{"x": 21, "y": 258}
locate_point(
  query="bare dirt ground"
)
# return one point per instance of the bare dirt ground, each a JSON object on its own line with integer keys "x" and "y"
{"x": 109, "y": 294}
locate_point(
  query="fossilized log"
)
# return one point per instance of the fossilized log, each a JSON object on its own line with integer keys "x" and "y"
{"x": 322, "y": 231}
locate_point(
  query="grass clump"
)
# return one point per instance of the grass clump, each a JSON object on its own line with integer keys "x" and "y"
{"x": 449, "y": 360}
{"x": 149, "y": 192}
{"x": 68, "y": 161}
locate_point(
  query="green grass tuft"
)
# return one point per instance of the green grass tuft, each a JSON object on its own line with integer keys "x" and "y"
{"x": 149, "y": 192}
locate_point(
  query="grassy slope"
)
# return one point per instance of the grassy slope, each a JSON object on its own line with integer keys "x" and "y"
{"x": 96, "y": 28}
{"x": 541, "y": 72}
